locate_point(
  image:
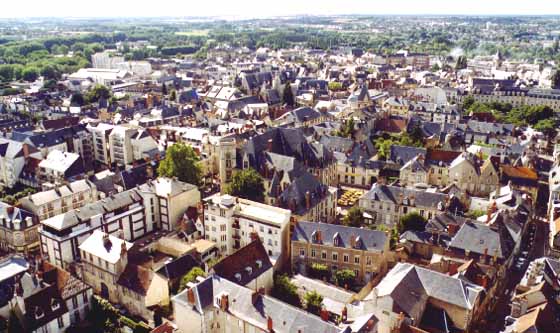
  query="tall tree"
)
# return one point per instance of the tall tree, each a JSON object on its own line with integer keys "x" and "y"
{"x": 190, "y": 277}
{"x": 345, "y": 277}
{"x": 247, "y": 184}
{"x": 285, "y": 290}
{"x": 411, "y": 221}
{"x": 313, "y": 302}
{"x": 288, "y": 95}
{"x": 181, "y": 161}
{"x": 354, "y": 217}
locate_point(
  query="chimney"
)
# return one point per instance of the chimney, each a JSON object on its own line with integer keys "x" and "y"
{"x": 25, "y": 148}
{"x": 453, "y": 268}
{"x": 106, "y": 241}
{"x": 253, "y": 236}
{"x": 269, "y": 145}
{"x": 255, "y": 297}
{"x": 486, "y": 255}
{"x": 307, "y": 200}
{"x": 10, "y": 210}
{"x": 123, "y": 248}
{"x": 452, "y": 229}
{"x": 344, "y": 314}
{"x": 269, "y": 324}
{"x": 324, "y": 314}
{"x": 319, "y": 237}
{"x": 224, "y": 302}
{"x": 352, "y": 241}
{"x": 190, "y": 296}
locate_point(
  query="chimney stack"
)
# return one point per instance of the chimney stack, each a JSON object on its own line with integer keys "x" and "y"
{"x": 123, "y": 249}
{"x": 324, "y": 314}
{"x": 224, "y": 302}
{"x": 307, "y": 200}
{"x": 269, "y": 324}
{"x": 190, "y": 296}
{"x": 269, "y": 145}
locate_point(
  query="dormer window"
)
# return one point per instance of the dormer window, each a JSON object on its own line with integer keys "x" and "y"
{"x": 39, "y": 313}
{"x": 55, "y": 304}
{"x": 358, "y": 244}
{"x": 336, "y": 239}
{"x": 259, "y": 263}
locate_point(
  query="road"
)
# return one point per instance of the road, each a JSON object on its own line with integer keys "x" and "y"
{"x": 494, "y": 322}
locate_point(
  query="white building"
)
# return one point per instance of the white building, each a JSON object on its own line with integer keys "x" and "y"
{"x": 230, "y": 221}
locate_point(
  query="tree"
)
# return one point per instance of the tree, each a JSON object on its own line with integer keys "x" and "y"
{"x": 14, "y": 324}
{"x": 173, "y": 95}
{"x": 30, "y": 74}
{"x": 318, "y": 271}
{"x": 97, "y": 93}
{"x": 181, "y": 161}
{"x": 288, "y": 95}
{"x": 556, "y": 79}
{"x": 347, "y": 129}
{"x": 383, "y": 147}
{"x": 285, "y": 290}
{"x": 190, "y": 277}
{"x": 335, "y": 86}
{"x": 49, "y": 72}
{"x": 77, "y": 99}
{"x": 313, "y": 302}
{"x": 247, "y": 184}
{"x": 547, "y": 126}
{"x": 345, "y": 277}
{"x": 411, "y": 221}
{"x": 461, "y": 63}
{"x": 354, "y": 217}
{"x": 467, "y": 102}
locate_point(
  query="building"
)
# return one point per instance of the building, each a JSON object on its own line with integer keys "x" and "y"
{"x": 104, "y": 258}
{"x": 387, "y": 204}
{"x": 230, "y": 222}
{"x": 421, "y": 295}
{"x": 339, "y": 247}
{"x": 60, "y": 167}
{"x": 472, "y": 175}
{"x": 219, "y": 305}
{"x": 249, "y": 266}
{"x": 100, "y": 135}
{"x": 18, "y": 229}
{"x": 128, "y": 144}
{"x": 61, "y": 199}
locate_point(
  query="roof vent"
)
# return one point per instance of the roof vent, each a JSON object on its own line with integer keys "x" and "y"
{"x": 259, "y": 263}
{"x": 238, "y": 276}
{"x": 249, "y": 270}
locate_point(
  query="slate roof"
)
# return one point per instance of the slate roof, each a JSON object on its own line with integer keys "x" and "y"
{"x": 245, "y": 265}
{"x": 296, "y": 191}
{"x": 478, "y": 238}
{"x": 402, "y": 154}
{"x": 389, "y": 193}
{"x": 41, "y": 302}
{"x": 136, "y": 278}
{"x": 411, "y": 287}
{"x": 369, "y": 240}
{"x": 285, "y": 318}
{"x": 178, "y": 267}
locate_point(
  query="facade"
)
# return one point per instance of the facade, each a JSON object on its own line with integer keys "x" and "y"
{"x": 230, "y": 222}
{"x": 61, "y": 199}
{"x": 472, "y": 175}
{"x": 100, "y": 136}
{"x": 338, "y": 247}
{"x": 387, "y": 204}
{"x": 18, "y": 229}
{"x": 129, "y": 143}
{"x": 59, "y": 167}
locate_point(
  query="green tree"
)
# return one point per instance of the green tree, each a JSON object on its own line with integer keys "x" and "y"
{"x": 467, "y": 102}
{"x": 190, "y": 277}
{"x": 354, "y": 217}
{"x": 6, "y": 73}
{"x": 30, "y": 74}
{"x": 319, "y": 271}
{"x": 288, "y": 95}
{"x": 313, "y": 302}
{"x": 345, "y": 278}
{"x": 77, "y": 99}
{"x": 97, "y": 93}
{"x": 335, "y": 86}
{"x": 247, "y": 184}
{"x": 49, "y": 72}
{"x": 347, "y": 129}
{"x": 173, "y": 95}
{"x": 547, "y": 126}
{"x": 383, "y": 147}
{"x": 181, "y": 161}
{"x": 461, "y": 63}
{"x": 285, "y": 290}
{"x": 411, "y": 221}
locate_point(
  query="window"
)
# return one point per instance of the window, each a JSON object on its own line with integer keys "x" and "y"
{"x": 223, "y": 228}
{"x": 345, "y": 258}
{"x": 85, "y": 297}
{"x": 356, "y": 259}
{"x": 368, "y": 260}
{"x": 312, "y": 253}
{"x": 222, "y": 212}
{"x": 324, "y": 255}
{"x": 75, "y": 302}
{"x": 335, "y": 256}
{"x": 223, "y": 238}
{"x": 60, "y": 321}
{"x": 302, "y": 252}
{"x": 356, "y": 272}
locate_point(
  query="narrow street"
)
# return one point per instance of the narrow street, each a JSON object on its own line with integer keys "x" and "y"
{"x": 495, "y": 319}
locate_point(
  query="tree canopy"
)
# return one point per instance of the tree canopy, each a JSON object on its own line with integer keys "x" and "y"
{"x": 411, "y": 221}
{"x": 181, "y": 161}
{"x": 247, "y": 184}
{"x": 191, "y": 277}
{"x": 345, "y": 278}
{"x": 354, "y": 217}
{"x": 313, "y": 302}
{"x": 285, "y": 290}
{"x": 288, "y": 96}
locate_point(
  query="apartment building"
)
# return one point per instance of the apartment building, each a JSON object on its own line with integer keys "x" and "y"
{"x": 12, "y": 160}
{"x": 61, "y": 199}
{"x": 58, "y": 167}
{"x": 230, "y": 222}
{"x": 100, "y": 136}
{"x": 339, "y": 247}
{"x": 130, "y": 214}
{"x": 129, "y": 143}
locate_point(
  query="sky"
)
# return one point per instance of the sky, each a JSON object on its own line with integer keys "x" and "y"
{"x": 261, "y": 8}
